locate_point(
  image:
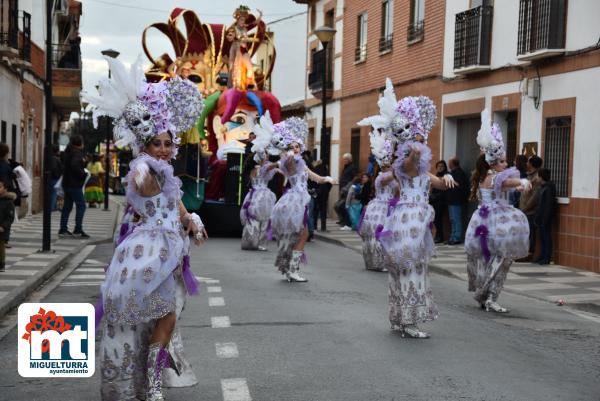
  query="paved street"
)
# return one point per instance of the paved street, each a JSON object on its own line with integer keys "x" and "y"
{"x": 252, "y": 336}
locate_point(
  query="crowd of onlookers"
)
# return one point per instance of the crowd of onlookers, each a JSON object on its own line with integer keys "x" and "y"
{"x": 453, "y": 206}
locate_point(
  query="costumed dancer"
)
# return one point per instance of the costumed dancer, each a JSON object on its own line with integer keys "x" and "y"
{"x": 498, "y": 233}
{"x": 259, "y": 201}
{"x": 406, "y": 235}
{"x": 290, "y": 215}
{"x": 143, "y": 291}
{"x": 386, "y": 186}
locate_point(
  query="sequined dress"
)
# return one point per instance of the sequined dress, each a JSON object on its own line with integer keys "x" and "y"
{"x": 498, "y": 233}
{"x": 290, "y": 214}
{"x": 256, "y": 209}
{"x": 143, "y": 283}
{"x": 374, "y": 216}
{"x": 407, "y": 240}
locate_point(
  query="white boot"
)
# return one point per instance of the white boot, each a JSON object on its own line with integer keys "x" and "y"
{"x": 413, "y": 331}
{"x": 157, "y": 359}
{"x": 295, "y": 268}
{"x": 494, "y": 306}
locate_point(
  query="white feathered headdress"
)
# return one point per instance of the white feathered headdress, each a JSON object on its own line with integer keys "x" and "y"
{"x": 489, "y": 139}
{"x": 382, "y": 148}
{"x": 261, "y": 145}
{"x": 143, "y": 110}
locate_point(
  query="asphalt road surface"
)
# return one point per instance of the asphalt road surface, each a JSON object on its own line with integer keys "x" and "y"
{"x": 264, "y": 339}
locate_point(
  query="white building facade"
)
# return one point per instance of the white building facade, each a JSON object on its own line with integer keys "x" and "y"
{"x": 536, "y": 65}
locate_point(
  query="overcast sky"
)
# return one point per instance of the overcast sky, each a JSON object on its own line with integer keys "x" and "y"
{"x": 118, "y": 25}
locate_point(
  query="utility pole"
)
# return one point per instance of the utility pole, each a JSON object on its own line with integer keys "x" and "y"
{"x": 47, "y": 216}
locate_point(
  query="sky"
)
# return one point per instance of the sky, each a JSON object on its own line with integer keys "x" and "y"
{"x": 118, "y": 25}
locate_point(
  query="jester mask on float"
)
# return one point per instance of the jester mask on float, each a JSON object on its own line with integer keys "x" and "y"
{"x": 203, "y": 56}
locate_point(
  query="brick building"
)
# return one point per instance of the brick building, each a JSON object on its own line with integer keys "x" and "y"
{"x": 22, "y": 76}
{"x": 533, "y": 63}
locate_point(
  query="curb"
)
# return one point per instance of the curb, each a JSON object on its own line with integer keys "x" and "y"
{"x": 447, "y": 273}
{"x": 20, "y": 293}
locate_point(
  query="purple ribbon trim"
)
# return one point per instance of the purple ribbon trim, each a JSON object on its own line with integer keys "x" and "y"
{"x": 303, "y": 258}
{"x": 484, "y": 211}
{"x": 391, "y": 205}
{"x": 305, "y": 220}
{"x": 162, "y": 361}
{"x": 379, "y": 233}
{"x": 247, "y": 204}
{"x": 360, "y": 221}
{"x": 269, "y": 231}
{"x": 99, "y": 307}
{"x": 191, "y": 284}
{"x": 482, "y": 232}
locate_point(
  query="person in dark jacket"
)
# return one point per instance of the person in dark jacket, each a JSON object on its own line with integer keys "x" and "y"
{"x": 55, "y": 173}
{"x": 6, "y": 171}
{"x": 322, "y": 195}
{"x": 348, "y": 174}
{"x": 437, "y": 199}
{"x": 73, "y": 181}
{"x": 544, "y": 214}
{"x": 7, "y": 216}
{"x": 365, "y": 192}
{"x": 457, "y": 200}
{"x": 514, "y": 197}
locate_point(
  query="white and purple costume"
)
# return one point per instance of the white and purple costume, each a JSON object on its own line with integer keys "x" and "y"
{"x": 256, "y": 209}
{"x": 407, "y": 241}
{"x": 290, "y": 214}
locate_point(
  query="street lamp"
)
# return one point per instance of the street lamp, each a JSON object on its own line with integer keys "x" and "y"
{"x": 325, "y": 35}
{"x": 112, "y": 54}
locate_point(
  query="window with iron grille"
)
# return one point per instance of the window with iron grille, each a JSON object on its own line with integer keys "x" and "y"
{"x": 542, "y": 25}
{"x": 387, "y": 26}
{"x": 557, "y": 152}
{"x": 416, "y": 27}
{"x": 9, "y": 23}
{"x": 26, "y": 46}
{"x": 355, "y": 146}
{"x": 473, "y": 37}
{"x": 360, "y": 53}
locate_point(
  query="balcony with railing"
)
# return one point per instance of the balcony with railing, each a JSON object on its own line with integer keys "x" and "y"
{"x": 416, "y": 32}
{"x": 542, "y": 28}
{"x": 472, "y": 40}
{"x": 66, "y": 75}
{"x": 385, "y": 43}
{"x": 9, "y": 29}
{"x": 320, "y": 60}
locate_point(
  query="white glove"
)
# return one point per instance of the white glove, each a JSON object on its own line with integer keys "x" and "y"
{"x": 525, "y": 185}
{"x": 290, "y": 153}
{"x": 449, "y": 181}
{"x": 141, "y": 171}
{"x": 329, "y": 180}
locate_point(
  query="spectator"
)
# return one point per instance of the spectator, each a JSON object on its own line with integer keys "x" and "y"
{"x": 7, "y": 216}
{"x": 437, "y": 199}
{"x": 521, "y": 165}
{"x": 528, "y": 201}
{"x": 6, "y": 173}
{"x": 73, "y": 180}
{"x": 23, "y": 187}
{"x": 94, "y": 192}
{"x": 371, "y": 165}
{"x": 322, "y": 195}
{"x": 366, "y": 189}
{"x": 354, "y": 204}
{"x": 348, "y": 174}
{"x": 544, "y": 214}
{"x": 55, "y": 173}
{"x": 457, "y": 198}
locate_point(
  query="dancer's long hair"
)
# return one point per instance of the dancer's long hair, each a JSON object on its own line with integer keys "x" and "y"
{"x": 479, "y": 174}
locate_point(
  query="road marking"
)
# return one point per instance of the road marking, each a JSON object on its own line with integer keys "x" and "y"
{"x": 94, "y": 262}
{"x": 90, "y": 270}
{"x": 219, "y": 322}
{"x": 227, "y": 350}
{"x": 9, "y": 282}
{"x": 85, "y": 277}
{"x": 216, "y": 301}
{"x": 235, "y": 390}
{"x": 81, "y": 284}
{"x": 30, "y": 263}
{"x": 210, "y": 281}
{"x": 214, "y": 289}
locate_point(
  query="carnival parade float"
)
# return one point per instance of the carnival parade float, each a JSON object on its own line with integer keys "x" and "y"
{"x": 218, "y": 59}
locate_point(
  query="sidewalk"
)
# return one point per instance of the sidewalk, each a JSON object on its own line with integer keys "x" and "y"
{"x": 578, "y": 288}
{"x": 27, "y": 267}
